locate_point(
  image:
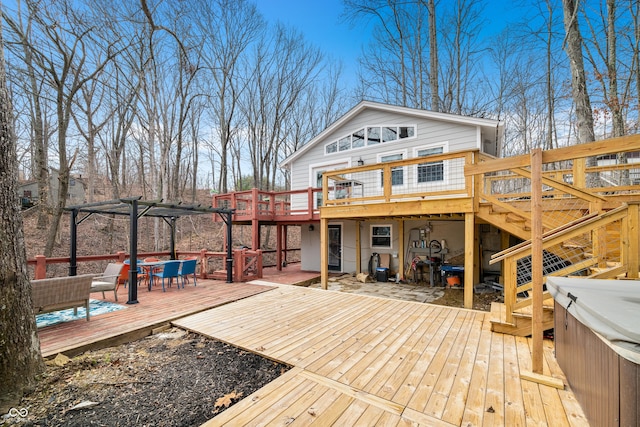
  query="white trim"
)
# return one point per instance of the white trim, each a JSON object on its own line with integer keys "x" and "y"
{"x": 338, "y": 164}
{"x": 445, "y": 165}
{"x": 390, "y": 236}
{"x": 424, "y": 114}
{"x": 405, "y": 176}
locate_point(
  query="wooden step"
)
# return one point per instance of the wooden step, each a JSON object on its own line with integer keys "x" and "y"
{"x": 521, "y": 325}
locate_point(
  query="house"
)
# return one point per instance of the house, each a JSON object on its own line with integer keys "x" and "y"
{"x": 29, "y": 190}
{"x": 371, "y": 134}
{"x": 417, "y": 195}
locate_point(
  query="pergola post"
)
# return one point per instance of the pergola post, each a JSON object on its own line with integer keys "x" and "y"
{"x": 133, "y": 252}
{"x": 172, "y": 244}
{"x": 279, "y": 247}
{"x": 73, "y": 246}
{"x": 229, "y": 250}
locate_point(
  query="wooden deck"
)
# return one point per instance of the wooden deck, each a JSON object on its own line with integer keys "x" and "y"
{"x": 154, "y": 310}
{"x": 360, "y": 360}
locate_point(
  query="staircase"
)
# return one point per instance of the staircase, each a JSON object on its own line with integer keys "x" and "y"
{"x": 585, "y": 233}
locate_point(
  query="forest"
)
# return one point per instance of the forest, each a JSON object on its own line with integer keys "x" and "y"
{"x": 162, "y": 98}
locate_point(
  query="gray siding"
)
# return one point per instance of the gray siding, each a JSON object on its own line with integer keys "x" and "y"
{"x": 458, "y": 136}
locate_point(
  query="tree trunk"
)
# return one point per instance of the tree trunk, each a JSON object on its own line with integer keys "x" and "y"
{"x": 573, "y": 47}
{"x": 20, "y": 359}
{"x": 584, "y": 113}
{"x": 433, "y": 57}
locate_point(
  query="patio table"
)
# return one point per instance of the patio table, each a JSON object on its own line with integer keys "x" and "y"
{"x": 150, "y": 265}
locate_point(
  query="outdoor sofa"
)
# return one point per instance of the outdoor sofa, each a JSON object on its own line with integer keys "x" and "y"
{"x": 59, "y": 293}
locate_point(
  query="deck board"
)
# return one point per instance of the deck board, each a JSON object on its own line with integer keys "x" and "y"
{"x": 361, "y": 360}
{"x": 154, "y": 309}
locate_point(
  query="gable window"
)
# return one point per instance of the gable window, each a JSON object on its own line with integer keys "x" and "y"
{"x": 331, "y": 148}
{"x": 397, "y": 173}
{"x": 381, "y": 236}
{"x": 357, "y": 139}
{"x": 344, "y": 144}
{"x": 373, "y": 136}
{"x": 406, "y": 132}
{"x": 370, "y": 135}
{"x": 432, "y": 171}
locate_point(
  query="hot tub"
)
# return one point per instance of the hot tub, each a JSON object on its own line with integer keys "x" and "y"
{"x": 597, "y": 344}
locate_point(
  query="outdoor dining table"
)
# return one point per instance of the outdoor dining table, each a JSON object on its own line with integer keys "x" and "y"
{"x": 149, "y": 266}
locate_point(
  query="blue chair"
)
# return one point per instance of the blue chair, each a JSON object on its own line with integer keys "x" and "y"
{"x": 188, "y": 268}
{"x": 169, "y": 271}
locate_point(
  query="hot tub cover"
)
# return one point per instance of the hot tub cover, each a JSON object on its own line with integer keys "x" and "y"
{"x": 609, "y": 307}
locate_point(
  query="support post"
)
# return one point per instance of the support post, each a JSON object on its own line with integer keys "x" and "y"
{"x": 229, "y": 250}
{"x": 469, "y": 256}
{"x": 41, "y": 267}
{"x": 133, "y": 253}
{"x": 285, "y": 247}
{"x": 73, "y": 260}
{"x": 172, "y": 243}
{"x": 633, "y": 234}
{"x": 324, "y": 253}
{"x": 358, "y": 248}
{"x": 255, "y": 235}
{"x": 401, "y": 249}
{"x": 278, "y": 247}
{"x": 536, "y": 259}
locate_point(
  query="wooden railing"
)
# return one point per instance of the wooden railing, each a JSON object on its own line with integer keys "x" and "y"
{"x": 434, "y": 176}
{"x": 269, "y": 205}
{"x": 625, "y": 218}
{"x": 247, "y": 264}
{"x": 587, "y": 224}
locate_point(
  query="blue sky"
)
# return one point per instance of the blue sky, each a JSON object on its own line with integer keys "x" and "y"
{"x": 321, "y": 23}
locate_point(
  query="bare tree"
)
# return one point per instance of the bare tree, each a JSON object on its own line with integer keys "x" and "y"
{"x": 228, "y": 27}
{"x": 433, "y": 56}
{"x": 60, "y": 55}
{"x": 20, "y": 359}
{"x": 573, "y": 47}
{"x": 33, "y": 89}
{"x": 285, "y": 67}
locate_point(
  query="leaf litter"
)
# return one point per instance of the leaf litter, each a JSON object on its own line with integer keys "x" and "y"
{"x": 170, "y": 379}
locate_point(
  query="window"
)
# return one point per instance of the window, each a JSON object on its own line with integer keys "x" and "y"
{"x": 373, "y": 136}
{"x": 432, "y": 171}
{"x": 397, "y": 173}
{"x": 357, "y": 138}
{"x": 344, "y": 144}
{"x": 381, "y": 236}
{"x": 407, "y": 132}
{"x": 389, "y": 134}
{"x": 370, "y": 135}
{"x": 331, "y": 148}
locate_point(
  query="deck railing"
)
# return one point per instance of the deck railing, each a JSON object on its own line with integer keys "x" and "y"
{"x": 270, "y": 205}
{"x": 435, "y": 176}
{"x": 585, "y": 217}
{"x": 247, "y": 264}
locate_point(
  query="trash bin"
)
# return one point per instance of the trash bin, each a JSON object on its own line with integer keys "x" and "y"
{"x": 382, "y": 274}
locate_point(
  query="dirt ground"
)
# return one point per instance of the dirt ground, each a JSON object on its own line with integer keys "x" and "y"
{"x": 481, "y": 301}
{"x": 173, "y": 378}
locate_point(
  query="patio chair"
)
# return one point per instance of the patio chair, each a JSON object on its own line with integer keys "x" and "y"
{"x": 108, "y": 281}
{"x": 187, "y": 268}
{"x": 169, "y": 271}
{"x": 142, "y": 274}
{"x": 123, "y": 279}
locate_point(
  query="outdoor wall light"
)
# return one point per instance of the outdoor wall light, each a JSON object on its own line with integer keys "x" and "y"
{"x": 360, "y": 161}
{"x": 311, "y": 227}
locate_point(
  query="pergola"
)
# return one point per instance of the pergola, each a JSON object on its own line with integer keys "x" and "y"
{"x": 136, "y": 208}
